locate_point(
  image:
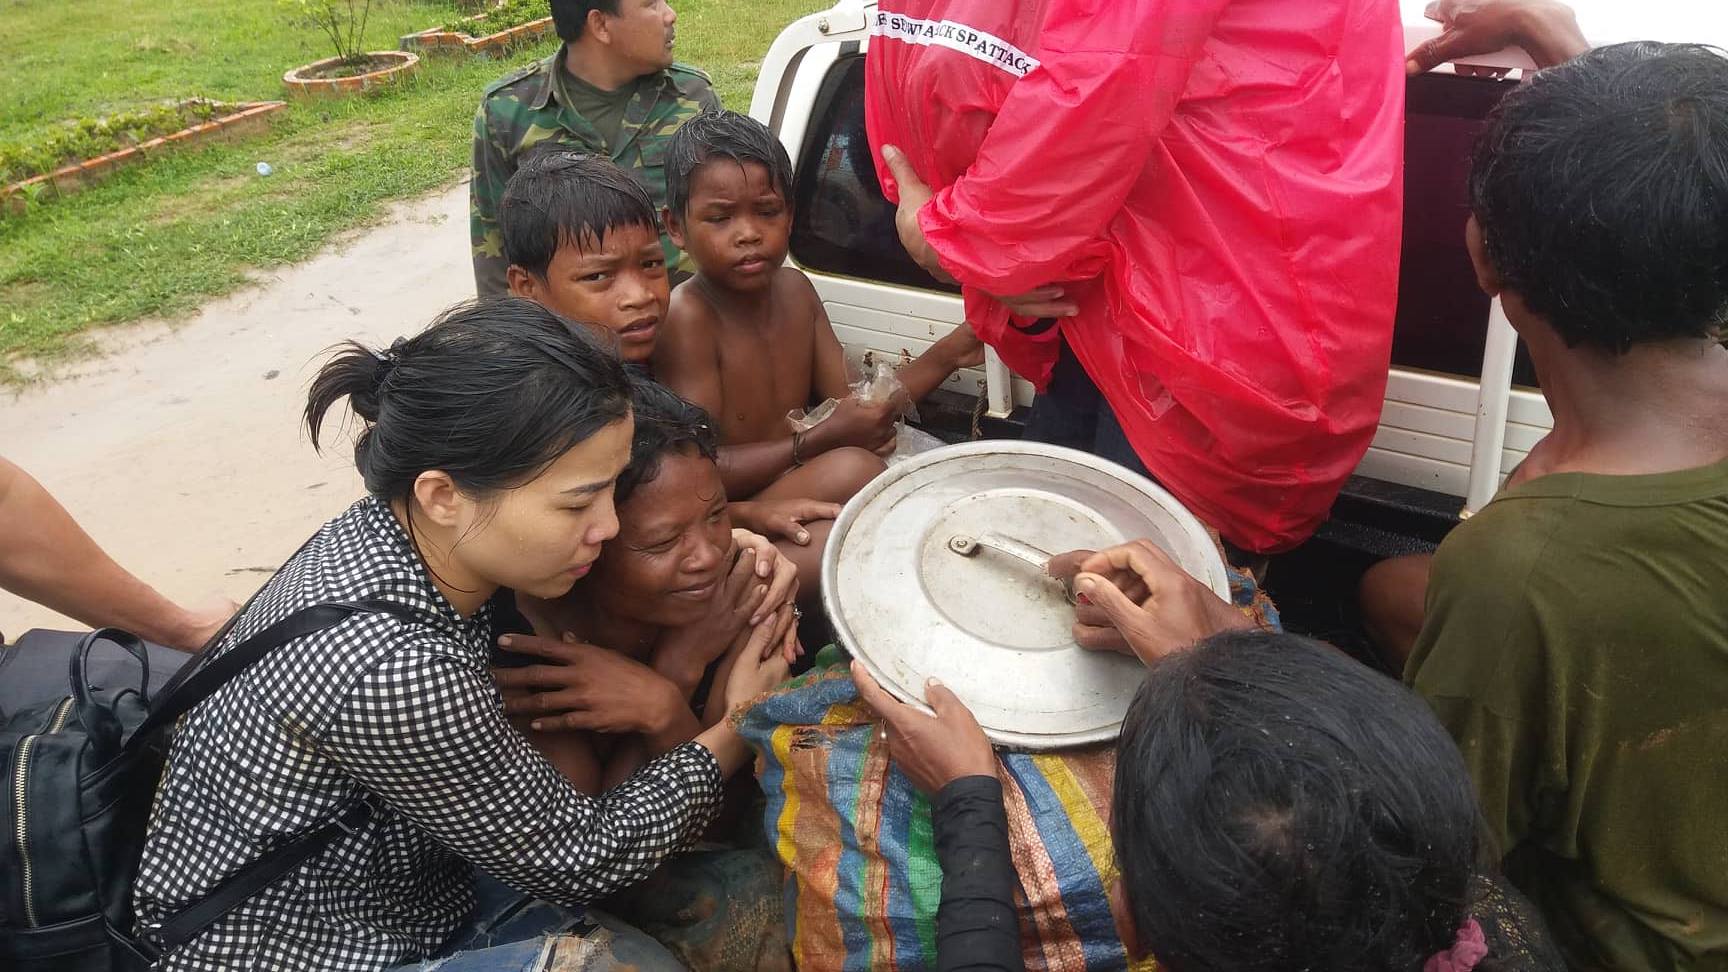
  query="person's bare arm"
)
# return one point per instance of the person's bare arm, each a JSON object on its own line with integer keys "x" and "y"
{"x": 959, "y": 348}
{"x": 750, "y": 468}
{"x": 47, "y": 558}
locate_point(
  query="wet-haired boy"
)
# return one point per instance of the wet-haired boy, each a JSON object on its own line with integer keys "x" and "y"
{"x": 747, "y": 338}
{"x": 583, "y": 241}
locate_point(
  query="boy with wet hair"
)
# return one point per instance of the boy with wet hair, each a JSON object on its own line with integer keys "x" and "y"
{"x": 582, "y": 241}
{"x": 747, "y": 338}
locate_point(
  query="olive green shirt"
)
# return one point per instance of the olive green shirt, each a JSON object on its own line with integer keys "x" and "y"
{"x": 604, "y": 110}
{"x": 1576, "y": 645}
{"x": 545, "y": 103}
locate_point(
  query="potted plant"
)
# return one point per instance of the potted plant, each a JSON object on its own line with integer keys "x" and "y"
{"x": 502, "y": 26}
{"x": 343, "y": 23}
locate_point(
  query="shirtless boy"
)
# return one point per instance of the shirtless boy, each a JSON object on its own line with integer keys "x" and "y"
{"x": 747, "y": 338}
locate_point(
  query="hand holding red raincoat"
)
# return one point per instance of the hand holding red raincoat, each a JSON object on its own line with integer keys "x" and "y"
{"x": 1214, "y": 185}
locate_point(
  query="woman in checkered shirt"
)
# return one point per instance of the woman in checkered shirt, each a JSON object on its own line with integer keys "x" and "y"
{"x": 489, "y": 445}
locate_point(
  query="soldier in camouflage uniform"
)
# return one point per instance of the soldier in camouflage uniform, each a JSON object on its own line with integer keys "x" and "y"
{"x": 611, "y": 89}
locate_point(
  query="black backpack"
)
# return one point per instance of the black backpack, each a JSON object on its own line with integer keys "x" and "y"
{"x": 81, "y": 772}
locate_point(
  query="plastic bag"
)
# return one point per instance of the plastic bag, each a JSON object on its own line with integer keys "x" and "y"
{"x": 879, "y": 382}
{"x": 909, "y": 442}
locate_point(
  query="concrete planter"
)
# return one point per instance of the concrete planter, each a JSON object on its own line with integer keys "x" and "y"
{"x": 438, "y": 40}
{"x": 240, "y": 121}
{"x": 303, "y": 82}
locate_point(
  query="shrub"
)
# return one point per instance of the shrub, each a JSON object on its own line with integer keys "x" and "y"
{"x": 507, "y": 14}
{"x": 342, "y": 22}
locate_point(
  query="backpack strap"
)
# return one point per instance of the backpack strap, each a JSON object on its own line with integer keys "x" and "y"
{"x": 181, "y": 695}
{"x": 184, "y": 925}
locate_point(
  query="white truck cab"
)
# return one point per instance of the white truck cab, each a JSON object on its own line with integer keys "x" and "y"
{"x": 1461, "y": 409}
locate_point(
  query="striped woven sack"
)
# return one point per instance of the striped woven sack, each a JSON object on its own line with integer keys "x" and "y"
{"x": 855, "y": 835}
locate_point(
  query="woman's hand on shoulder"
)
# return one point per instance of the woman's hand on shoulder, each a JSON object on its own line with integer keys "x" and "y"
{"x": 1547, "y": 30}
{"x": 586, "y": 687}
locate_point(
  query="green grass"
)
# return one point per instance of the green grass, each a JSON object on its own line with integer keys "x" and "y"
{"x": 158, "y": 238}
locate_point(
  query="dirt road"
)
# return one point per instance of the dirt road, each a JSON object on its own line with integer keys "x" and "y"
{"x": 179, "y": 449}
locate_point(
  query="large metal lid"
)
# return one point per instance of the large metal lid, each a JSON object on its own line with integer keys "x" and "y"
{"x": 935, "y": 570}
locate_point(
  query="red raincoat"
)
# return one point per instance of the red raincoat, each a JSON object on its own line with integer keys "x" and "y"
{"x": 1224, "y": 175}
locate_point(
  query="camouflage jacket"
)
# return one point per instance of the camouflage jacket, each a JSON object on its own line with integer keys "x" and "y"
{"x": 528, "y": 107}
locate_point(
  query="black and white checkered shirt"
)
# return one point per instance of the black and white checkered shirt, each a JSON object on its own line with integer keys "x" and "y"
{"x": 406, "y": 712}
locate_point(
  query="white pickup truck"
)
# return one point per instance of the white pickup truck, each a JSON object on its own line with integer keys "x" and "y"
{"x": 1461, "y": 405}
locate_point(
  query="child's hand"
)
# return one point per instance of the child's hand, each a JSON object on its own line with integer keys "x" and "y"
{"x": 866, "y": 425}
{"x": 782, "y": 518}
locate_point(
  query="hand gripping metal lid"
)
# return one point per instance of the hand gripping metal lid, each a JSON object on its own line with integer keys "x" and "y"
{"x": 936, "y": 569}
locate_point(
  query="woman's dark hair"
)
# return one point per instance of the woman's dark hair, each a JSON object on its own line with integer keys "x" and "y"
{"x": 665, "y": 424}
{"x": 1279, "y": 806}
{"x": 492, "y": 392}
{"x": 1601, "y": 187}
{"x": 720, "y": 134}
{"x": 560, "y": 198}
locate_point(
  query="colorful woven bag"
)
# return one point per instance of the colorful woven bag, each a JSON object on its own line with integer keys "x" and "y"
{"x": 855, "y": 835}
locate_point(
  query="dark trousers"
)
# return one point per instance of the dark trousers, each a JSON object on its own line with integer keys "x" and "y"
{"x": 1072, "y": 412}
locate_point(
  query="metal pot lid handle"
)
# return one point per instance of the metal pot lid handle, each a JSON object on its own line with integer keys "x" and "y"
{"x": 967, "y": 546}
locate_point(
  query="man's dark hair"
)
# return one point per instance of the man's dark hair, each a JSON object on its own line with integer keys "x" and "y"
{"x": 1280, "y": 806}
{"x": 492, "y": 393}
{"x": 665, "y": 424}
{"x": 1601, "y": 187}
{"x": 559, "y": 198}
{"x": 570, "y": 17}
{"x": 720, "y": 134}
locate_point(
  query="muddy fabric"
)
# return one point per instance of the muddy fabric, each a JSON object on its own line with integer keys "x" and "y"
{"x": 1518, "y": 939}
{"x": 715, "y": 910}
{"x": 537, "y": 106}
{"x": 1576, "y": 645}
